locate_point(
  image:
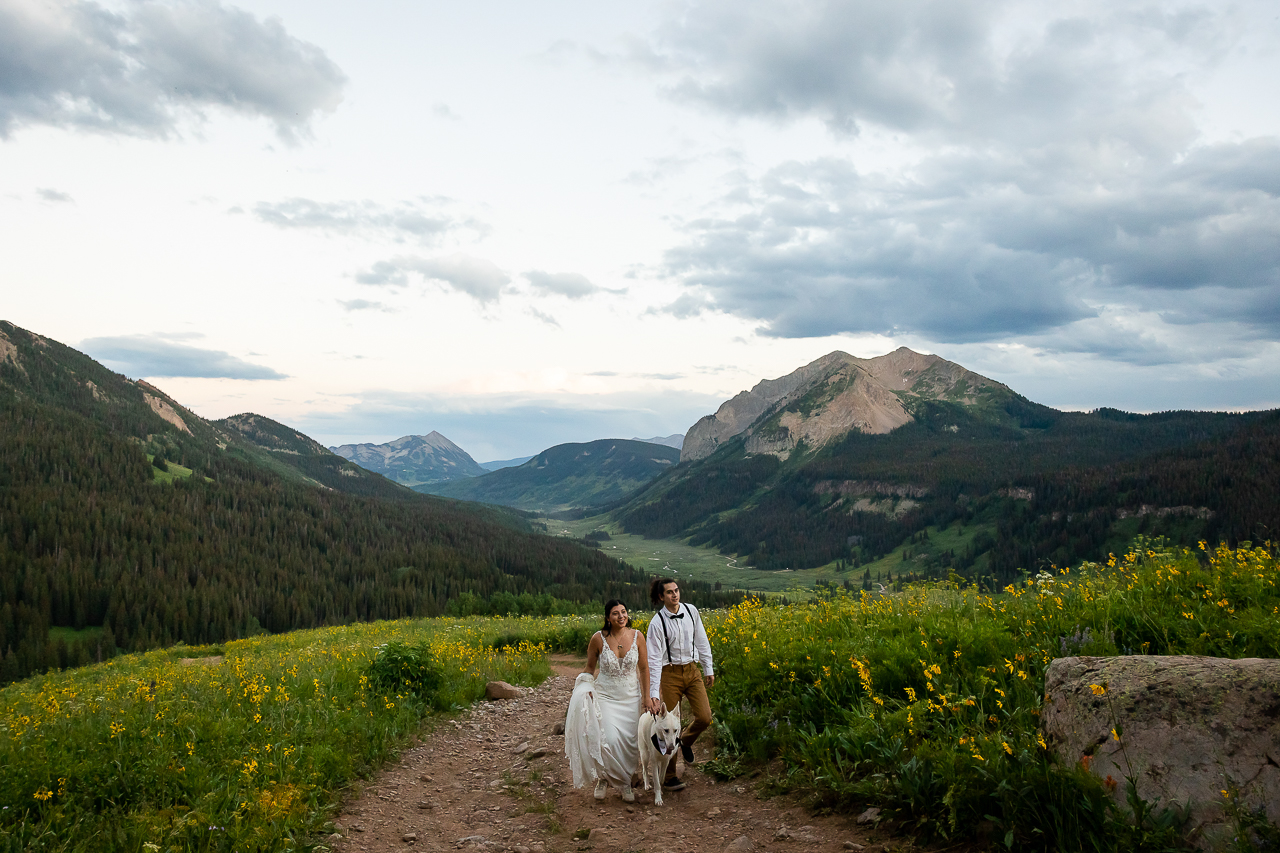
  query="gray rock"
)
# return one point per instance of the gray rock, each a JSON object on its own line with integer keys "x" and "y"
{"x": 536, "y": 753}
{"x": 741, "y": 844}
{"x": 521, "y": 748}
{"x": 854, "y": 846}
{"x": 1189, "y": 728}
{"x": 783, "y": 834}
{"x": 869, "y": 816}
{"x": 557, "y": 729}
{"x": 409, "y": 837}
{"x": 501, "y": 690}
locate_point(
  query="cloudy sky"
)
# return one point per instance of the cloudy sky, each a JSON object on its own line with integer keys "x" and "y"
{"x": 527, "y": 223}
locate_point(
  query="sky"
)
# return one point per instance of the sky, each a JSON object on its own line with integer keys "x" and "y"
{"x": 524, "y": 224}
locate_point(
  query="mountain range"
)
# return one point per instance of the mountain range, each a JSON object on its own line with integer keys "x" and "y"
{"x": 414, "y": 460}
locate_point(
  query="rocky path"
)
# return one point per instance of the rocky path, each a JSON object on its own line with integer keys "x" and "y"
{"x": 497, "y": 780}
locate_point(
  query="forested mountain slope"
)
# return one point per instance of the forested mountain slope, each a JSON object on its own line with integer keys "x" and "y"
{"x": 293, "y": 455}
{"x": 1031, "y": 485}
{"x": 593, "y": 473}
{"x": 101, "y": 549}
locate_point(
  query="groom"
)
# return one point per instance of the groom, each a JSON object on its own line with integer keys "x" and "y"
{"x": 677, "y": 643}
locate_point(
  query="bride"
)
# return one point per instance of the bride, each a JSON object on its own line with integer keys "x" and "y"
{"x": 600, "y": 731}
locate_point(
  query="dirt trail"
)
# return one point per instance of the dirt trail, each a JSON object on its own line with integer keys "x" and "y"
{"x": 496, "y": 779}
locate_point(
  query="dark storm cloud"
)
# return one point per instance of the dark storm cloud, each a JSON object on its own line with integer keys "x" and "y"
{"x": 822, "y": 250}
{"x": 135, "y": 70}
{"x": 143, "y": 355}
{"x": 967, "y": 68}
{"x": 1051, "y": 178}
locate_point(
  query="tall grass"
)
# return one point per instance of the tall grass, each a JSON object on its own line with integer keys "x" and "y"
{"x": 927, "y": 703}
{"x": 148, "y": 752}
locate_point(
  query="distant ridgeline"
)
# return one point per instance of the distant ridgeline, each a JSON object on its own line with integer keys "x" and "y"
{"x": 567, "y": 476}
{"x": 127, "y": 522}
{"x": 848, "y": 459}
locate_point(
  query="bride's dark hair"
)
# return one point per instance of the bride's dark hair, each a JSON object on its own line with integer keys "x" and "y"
{"x": 608, "y": 608}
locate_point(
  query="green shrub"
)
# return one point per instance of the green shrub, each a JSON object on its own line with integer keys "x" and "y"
{"x": 398, "y": 666}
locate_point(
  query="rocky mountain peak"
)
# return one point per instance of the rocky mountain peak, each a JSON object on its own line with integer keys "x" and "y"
{"x": 831, "y": 396}
{"x": 414, "y": 459}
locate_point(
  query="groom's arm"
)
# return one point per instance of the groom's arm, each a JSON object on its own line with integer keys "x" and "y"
{"x": 656, "y": 642}
{"x": 703, "y": 645}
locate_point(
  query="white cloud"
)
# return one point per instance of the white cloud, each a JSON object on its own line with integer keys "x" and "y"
{"x": 157, "y": 355}
{"x": 571, "y": 284}
{"x": 406, "y": 220}
{"x": 52, "y": 195}
{"x": 478, "y": 278}
{"x": 76, "y": 63}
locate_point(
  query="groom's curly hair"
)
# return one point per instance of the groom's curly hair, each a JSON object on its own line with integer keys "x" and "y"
{"x": 657, "y": 588}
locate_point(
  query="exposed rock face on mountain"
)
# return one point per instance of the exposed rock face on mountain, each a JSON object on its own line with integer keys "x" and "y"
{"x": 414, "y": 459}
{"x": 832, "y": 396}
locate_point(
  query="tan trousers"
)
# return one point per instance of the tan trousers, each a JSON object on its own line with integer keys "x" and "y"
{"x": 685, "y": 681}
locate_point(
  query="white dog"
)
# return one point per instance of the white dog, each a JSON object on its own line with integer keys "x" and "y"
{"x": 659, "y": 740}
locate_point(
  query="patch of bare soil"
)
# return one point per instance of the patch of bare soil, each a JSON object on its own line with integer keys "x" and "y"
{"x": 496, "y": 779}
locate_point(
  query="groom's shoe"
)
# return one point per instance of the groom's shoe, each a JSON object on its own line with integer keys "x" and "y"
{"x": 686, "y": 749}
{"x": 673, "y": 785}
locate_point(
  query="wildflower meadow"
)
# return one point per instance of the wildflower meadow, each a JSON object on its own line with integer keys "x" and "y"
{"x": 927, "y": 703}
{"x": 242, "y": 747}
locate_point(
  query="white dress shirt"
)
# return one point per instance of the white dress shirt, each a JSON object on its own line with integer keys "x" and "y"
{"x": 688, "y": 643}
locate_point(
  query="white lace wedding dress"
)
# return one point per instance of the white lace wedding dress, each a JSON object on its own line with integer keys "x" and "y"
{"x": 600, "y": 732}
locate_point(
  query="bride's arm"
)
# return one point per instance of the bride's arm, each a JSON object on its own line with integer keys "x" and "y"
{"x": 642, "y": 671}
{"x": 593, "y": 653}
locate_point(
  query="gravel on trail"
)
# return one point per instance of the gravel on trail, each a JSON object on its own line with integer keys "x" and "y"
{"x": 496, "y": 779}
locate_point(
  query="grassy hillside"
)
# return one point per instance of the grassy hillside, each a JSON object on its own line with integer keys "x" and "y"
{"x": 567, "y": 476}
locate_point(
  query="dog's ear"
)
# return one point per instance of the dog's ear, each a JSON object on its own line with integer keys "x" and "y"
{"x": 664, "y": 709}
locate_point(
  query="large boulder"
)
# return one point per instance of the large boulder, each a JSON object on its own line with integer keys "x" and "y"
{"x": 1189, "y": 728}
